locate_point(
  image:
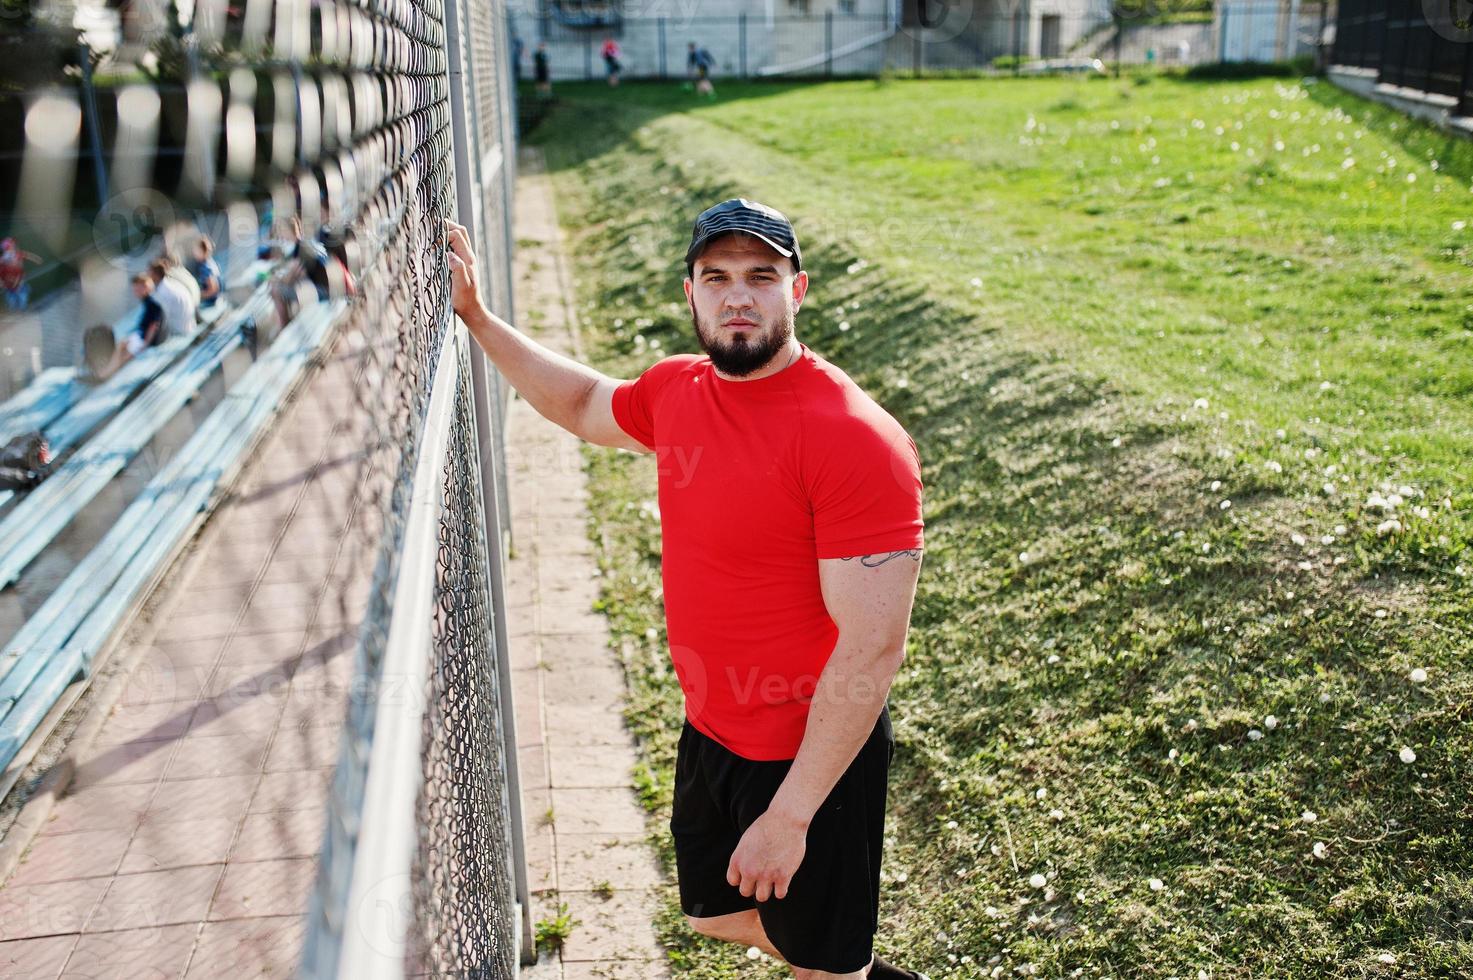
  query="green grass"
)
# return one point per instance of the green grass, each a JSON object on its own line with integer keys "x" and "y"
{"x": 1100, "y": 320}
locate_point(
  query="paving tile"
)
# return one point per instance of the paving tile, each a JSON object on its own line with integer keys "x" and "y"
{"x": 229, "y": 715}
{"x": 594, "y": 684}
{"x": 116, "y": 807}
{"x": 240, "y": 681}
{"x": 160, "y": 951}
{"x": 189, "y": 652}
{"x": 35, "y": 959}
{"x": 206, "y": 625}
{"x": 594, "y": 766}
{"x": 155, "y": 898}
{"x": 141, "y": 722}
{"x": 596, "y": 811}
{"x": 304, "y": 789}
{"x": 258, "y": 888}
{"x": 616, "y": 928}
{"x": 565, "y": 650}
{"x": 304, "y": 748}
{"x": 213, "y": 599}
{"x": 274, "y": 646}
{"x": 280, "y": 834}
{"x": 616, "y": 970}
{"x": 625, "y": 861}
{"x": 278, "y": 619}
{"x": 28, "y": 911}
{"x": 217, "y": 755}
{"x": 213, "y": 798}
{"x": 125, "y": 762}
{"x": 161, "y": 843}
{"x": 267, "y": 947}
{"x": 571, "y": 724}
{"x": 156, "y": 676}
{"x": 541, "y": 863}
{"x": 310, "y": 571}
{"x": 87, "y": 854}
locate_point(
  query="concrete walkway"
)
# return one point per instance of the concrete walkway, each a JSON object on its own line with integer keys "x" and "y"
{"x": 586, "y": 831}
{"x": 186, "y": 842}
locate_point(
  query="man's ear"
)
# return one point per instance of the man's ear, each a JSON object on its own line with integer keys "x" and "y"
{"x": 689, "y": 301}
{"x": 800, "y": 289}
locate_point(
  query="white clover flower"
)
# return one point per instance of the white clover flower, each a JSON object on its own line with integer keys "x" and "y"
{"x": 1274, "y": 466}
{"x": 1023, "y": 558}
{"x": 1254, "y": 735}
{"x": 1270, "y": 723}
{"x": 1053, "y": 658}
{"x": 1327, "y": 539}
{"x": 1216, "y": 486}
{"x": 753, "y": 952}
{"x": 1380, "y": 614}
{"x": 1226, "y": 504}
{"x": 1038, "y": 881}
{"x": 1391, "y": 526}
{"x": 1309, "y": 816}
{"x": 1172, "y": 755}
{"x": 1299, "y": 539}
{"x": 1417, "y": 676}
{"x": 1407, "y": 755}
{"x": 1041, "y": 793}
{"x": 1459, "y": 225}
{"x": 1394, "y": 500}
{"x": 1388, "y": 958}
{"x": 1330, "y": 489}
{"x": 901, "y": 878}
{"x": 951, "y": 825}
{"x": 1325, "y": 698}
{"x": 1056, "y": 814}
{"x": 844, "y": 326}
{"x": 1156, "y": 885}
{"x": 1200, "y": 403}
{"x": 1319, "y": 850}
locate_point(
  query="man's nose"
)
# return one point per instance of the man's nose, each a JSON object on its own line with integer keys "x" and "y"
{"x": 738, "y": 297}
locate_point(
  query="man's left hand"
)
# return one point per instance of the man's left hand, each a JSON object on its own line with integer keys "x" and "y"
{"x": 767, "y": 857}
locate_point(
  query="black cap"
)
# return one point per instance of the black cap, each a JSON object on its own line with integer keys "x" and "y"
{"x": 740, "y": 214}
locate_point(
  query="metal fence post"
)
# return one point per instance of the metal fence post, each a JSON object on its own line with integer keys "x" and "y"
{"x": 828, "y": 44}
{"x": 588, "y": 58}
{"x": 742, "y": 40}
{"x": 1017, "y": 40}
{"x": 1222, "y": 34}
{"x": 916, "y": 56}
{"x": 662, "y": 48}
{"x": 94, "y": 132}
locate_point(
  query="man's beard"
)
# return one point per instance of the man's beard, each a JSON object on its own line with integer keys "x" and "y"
{"x": 745, "y": 352}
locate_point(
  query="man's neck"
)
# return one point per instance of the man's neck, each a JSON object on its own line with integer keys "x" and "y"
{"x": 782, "y": 360}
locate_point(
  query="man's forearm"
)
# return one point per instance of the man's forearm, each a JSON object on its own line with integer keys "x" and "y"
{"x": 846, "y": 704}
{"x": 557, "y": 387}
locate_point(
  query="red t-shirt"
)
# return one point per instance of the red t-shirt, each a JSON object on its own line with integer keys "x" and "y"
{"x": 758, "y": 481}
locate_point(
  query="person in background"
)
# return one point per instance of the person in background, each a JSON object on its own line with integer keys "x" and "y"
{"x": 542, "y": 70}
{"x": 611, "y": 55}
{"x": 13, "y": 261}
{"x": 173, "y": 298}
{"x": 206, "y": 271}
{"x": 176, "y": 271}
{"x": 148, "y": 332}
{"x": 516, "y": 57}
{"x": 698, "y": 64}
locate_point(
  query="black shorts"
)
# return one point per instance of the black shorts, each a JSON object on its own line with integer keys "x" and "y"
{"x": 828, "y": 919}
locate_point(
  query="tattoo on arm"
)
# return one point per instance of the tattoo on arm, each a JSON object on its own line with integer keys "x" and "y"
{"x": 874, "y": 561}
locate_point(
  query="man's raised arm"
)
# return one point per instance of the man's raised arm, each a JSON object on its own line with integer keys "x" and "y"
{"x": 573, "y": 395}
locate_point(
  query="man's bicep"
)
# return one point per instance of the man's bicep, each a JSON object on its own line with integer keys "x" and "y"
{"x": 869, "y": 596}
{"x": 598, "y": 424}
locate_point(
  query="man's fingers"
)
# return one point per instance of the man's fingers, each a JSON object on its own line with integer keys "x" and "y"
{"x": 733, "y": 876}
{"x": 780, "y": 890}
{"x": 764, "y": 890}
{"x": 460, "y": 245}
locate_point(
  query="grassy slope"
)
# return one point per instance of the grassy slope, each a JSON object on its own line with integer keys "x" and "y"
{"x": 1097, "y": 642}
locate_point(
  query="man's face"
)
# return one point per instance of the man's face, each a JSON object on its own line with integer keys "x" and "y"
{"x": 743, "y": 298}
{"x": 142, "y": 289}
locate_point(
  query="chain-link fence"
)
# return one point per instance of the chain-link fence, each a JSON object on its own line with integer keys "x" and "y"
{"x": 322, "y": 144}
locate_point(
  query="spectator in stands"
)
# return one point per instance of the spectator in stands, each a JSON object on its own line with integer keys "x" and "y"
{"x": 309, "y": 261}
{"x": 176, "y": 271}
{"x": 516, "y": 57}
{"x": 13, "y": 261}
{"x": 149, "y": 331}
{"x": 542, "y": 70}
{"x": 206, "y": 271}
{"x": 173, "y": 298}
{"x": 611, "y": 55}
{"x": 698, "y": 64}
